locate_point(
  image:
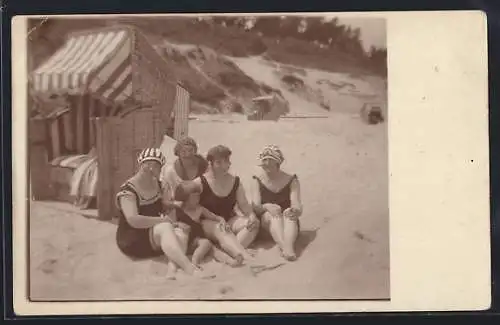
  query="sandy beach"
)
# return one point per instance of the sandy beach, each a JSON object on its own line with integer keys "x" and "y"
{"x": 344, "y": 248}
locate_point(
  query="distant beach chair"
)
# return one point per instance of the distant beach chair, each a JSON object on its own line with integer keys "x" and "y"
{"x": 371, "y": 113}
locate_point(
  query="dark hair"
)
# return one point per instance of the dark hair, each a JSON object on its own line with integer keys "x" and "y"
{"x": 184, "y": 190}
{"x": 187, "y": 141}
{"x": 218, "y": 152}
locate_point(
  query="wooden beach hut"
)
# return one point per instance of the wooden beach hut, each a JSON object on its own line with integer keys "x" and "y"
{"x": 102, "y": 97}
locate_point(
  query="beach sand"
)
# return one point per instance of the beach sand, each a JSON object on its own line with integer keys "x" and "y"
{"x": 342, "y": 165}
{"x": 344, "y": 244}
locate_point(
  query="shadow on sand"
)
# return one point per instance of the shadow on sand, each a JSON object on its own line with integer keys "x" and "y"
{"x": 305, "y": 238}
{"x": 264, "y": 241}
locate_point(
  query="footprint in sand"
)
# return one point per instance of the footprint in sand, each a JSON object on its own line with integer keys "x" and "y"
{"x": 48, "y": 265}
{"x": 226, "y": 289}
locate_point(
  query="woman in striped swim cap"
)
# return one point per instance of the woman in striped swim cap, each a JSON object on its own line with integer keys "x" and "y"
{"x": 143, "y": 230}
{"x": 276, "y": 200}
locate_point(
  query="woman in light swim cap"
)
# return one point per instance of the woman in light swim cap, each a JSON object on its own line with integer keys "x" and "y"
{"x": 276, "y": 200}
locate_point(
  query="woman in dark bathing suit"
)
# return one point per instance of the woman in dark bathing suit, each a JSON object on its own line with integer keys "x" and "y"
{"x": 192, "y": 214}
{"x": 143, "y": 231}
{"x": 276, "y": 200}
{"x": 221, "y": 192}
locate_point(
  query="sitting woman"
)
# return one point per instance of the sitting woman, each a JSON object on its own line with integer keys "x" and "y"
{"x": 221, "y": 193}
{"x": 276, "y": 200}
{"x": 143, "y": 231}
{"x": 190, "y": 214}
{"x": 188, "y": 165}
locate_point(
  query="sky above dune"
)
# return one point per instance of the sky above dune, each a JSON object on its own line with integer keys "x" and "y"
{"x": 373, "y": 30}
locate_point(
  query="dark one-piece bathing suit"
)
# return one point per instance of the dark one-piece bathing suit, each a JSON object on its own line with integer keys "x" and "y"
{"x": 196, "y": 230}
{"x": 135, "y": 242}
{"x": 220, "y": 205}
{"x": 281, "y": 198}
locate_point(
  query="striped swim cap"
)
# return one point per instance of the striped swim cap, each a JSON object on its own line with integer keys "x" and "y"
{"x": 272, "y": 152}
{"x": 151, "y": 154}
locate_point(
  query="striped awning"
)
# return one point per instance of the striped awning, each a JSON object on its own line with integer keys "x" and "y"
{"x": 99, "y": 62}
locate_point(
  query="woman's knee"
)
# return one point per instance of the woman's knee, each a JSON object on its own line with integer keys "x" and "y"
{"x": 204, "y": 242}
{"x": 274, "y": 209}
{"x": 161, "y": 228}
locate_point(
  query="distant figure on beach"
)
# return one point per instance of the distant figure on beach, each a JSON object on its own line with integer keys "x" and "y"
{"x": 221, "y": 193}
{"x": 143, "y": 231}
{"x": 188, "y": 165}
{"x": 276, "y": 200}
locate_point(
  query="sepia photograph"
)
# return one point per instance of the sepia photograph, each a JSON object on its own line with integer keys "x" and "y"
{"x": 208, "y": 157}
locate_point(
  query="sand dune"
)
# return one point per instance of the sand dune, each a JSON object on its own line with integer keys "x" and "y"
{"x": 344, "y": 247}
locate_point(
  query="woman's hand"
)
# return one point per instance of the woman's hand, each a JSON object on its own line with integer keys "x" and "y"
{"x": 223, "y": 225}
{"x": 166, "y": 218}
{"x": 273, "y": 209}
{"x": 184, "y": 227}
{"x": 291, "y": 214}
{"x": 252, "y": 222}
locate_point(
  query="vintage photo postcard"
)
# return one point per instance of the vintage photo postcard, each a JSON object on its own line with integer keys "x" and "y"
{"x": 250, "y": 163}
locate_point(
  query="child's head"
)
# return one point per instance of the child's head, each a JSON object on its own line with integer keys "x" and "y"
{"x": 188, "y": 193}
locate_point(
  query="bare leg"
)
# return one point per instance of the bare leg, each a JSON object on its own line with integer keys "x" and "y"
{"x": 165, "y": 237}
{"x": 227, "y": 241}
{"x": 182, "y": 236}
{"x": 203, "y": 247}
{"x": 171, "y": 270}
{"x": 222, "y": 257}
{"x": 275, "y": 226}
{"x": 244, "y": 236}
{"x": 291, "y": 232}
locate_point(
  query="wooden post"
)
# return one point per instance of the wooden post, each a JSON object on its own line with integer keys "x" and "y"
{"x": 80, "y": 123}
{"x": 54, "y": 136}
{"x": 105, "y": 195}
{"x": 92, "y": 115}
{"x": 181, "y": 112}
{"x": 39, "y": 160}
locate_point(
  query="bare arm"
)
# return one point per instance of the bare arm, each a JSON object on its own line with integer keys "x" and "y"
{"x": 167, "y": 198}
{"x": 295, "y": 198}
{"x": 197, "y": 182}
{"x": 127, "y": 202}
{"x": 168, "y": 183}
{"x": 255, "y": 198}
{"x": 243, "y": 205}
{"x": 210, "y": 215}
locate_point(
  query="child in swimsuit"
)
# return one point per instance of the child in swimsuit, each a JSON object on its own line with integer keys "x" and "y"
{"x": 189, "y": 216}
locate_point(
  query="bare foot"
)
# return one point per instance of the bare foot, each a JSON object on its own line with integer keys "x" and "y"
{"x": 203, "y": 274}
{"x": 171, "y": 271}
{"x": 171, "y": 276}
{"x": 239, "y": 260}
{"x": 288, "y": 255}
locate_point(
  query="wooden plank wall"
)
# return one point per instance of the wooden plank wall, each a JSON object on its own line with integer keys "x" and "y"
{"x": 105, "y": 141}
{"x": 181, "y": 112}
{"x": 39, "y": 160}
{"x": 119, "y": 141}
